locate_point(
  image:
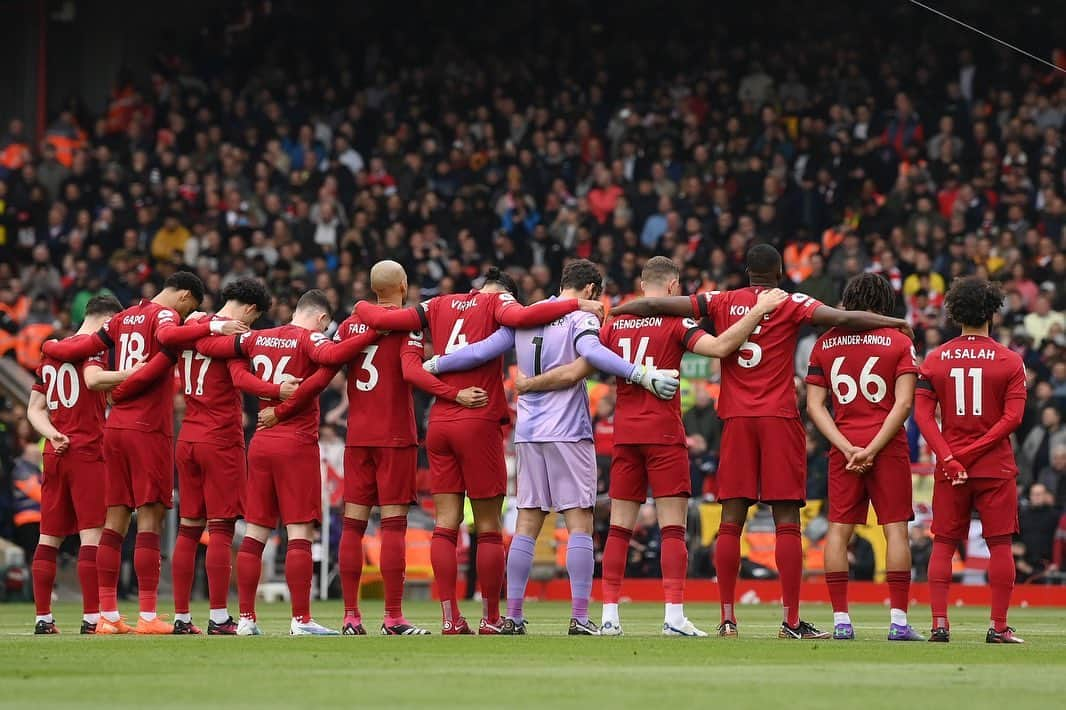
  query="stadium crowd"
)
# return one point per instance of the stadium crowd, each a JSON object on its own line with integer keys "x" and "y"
{"x": 304, "y": 165}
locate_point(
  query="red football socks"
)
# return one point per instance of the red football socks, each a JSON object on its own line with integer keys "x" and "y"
{"x": 249, "y": 568}
{"x": 299, "y": 570}
{"x": 899, "y": 588}
{"x": 217, "y": 562}
{"x": 940, "y": 579}
{"x": 394, "y": 564}
{"x": 108, "y": 564}
{"x": 1000, "y": 578}
{"x": 350, "y": 553}
{"x": 183, "y": 565}
{"x": 727, "y": 567}
{"x": 44, "y": 577}
{"x": 491, "y": 562}
{"x": 445, "y": 570}
{"x": 789, "y": 556}
{"x": 615, "y": 554}
{"x": 837, "y": 582}
{"x": 90, "y": 589}
{"x": 674, "y": 563}
{"x": 146, "y": 564}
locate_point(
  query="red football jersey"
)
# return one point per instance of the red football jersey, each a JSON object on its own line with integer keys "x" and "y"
{"x": 861, "y": 370}
{"x": 380, "y": 409}
{"x": 274, "y": 353}
{"x": 757, "y": 379}
{"x": 456, "y": 321}
{"x": 656, "y": 341}
{"x": 213, "y": 405}
{"x": 135, "y": 335}
{"x": 73, "y": 408}
{"x": 971, "y": 377}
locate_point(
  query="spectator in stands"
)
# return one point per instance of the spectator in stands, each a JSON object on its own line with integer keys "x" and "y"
{"x": 1038, "y": 522}
{"x": 1042, "y": 319}
{"x": 1053, "y": 476}
{"x": 1034, "y": 455}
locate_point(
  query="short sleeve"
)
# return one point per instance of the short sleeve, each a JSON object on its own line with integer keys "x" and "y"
{"x": 689, "y": 332}
{"x": 38, "y": 382}
{"x": 908, "y": 359}
{"x": 707, "y": 304}
{"x": 803, "y": 307}
{"x": 815, "y": 370}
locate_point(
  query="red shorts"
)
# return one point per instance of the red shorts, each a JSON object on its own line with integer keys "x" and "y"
{"x": 380, "y": 475}
{"x": 210, "y": 479}
{"x": 662, "y": 467}
{"x": 140, "y": 467}
{"x": 284, "y": 481}
{"x": 763, "y": 459}
{"x": 996, "y": 501}
{"x": 887, "y": 485}
{"x": 72, "y": 495}
{"x": 466, "y": 456}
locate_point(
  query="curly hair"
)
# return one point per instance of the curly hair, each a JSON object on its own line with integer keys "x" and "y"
{"x": 186, "y": 281}
{"x": 973, "y": 301}
{"x": 869, "y": 292}
{"x": 579, "y": 273}
{"x": 250, "y": 292}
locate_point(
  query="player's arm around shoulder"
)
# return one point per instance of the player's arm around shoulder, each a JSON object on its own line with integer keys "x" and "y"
{"x": 735, "y": 335}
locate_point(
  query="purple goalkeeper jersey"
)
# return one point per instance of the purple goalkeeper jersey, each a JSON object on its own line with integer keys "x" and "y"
{"x": 562, "y": 415}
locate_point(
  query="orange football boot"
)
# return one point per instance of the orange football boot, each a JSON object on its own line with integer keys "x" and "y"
{"x": 113, "y": 627}
{"x": 154, "y": 627}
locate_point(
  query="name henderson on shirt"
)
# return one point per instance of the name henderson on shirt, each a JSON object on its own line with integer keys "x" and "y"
{"x": 637, "y": 323}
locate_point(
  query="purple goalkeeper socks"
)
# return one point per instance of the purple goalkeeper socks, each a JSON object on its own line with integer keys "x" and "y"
{"x": 519, "y": 563}
{"x": 580, "y": 563}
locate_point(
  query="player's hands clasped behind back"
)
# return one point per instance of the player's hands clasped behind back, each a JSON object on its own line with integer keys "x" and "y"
{"x": 594, "y": 307}
{"x": 860, "y": 460}
{"x": 472, "y": 397}
{"x": 951, "y": 469}
{"x": 767, "y": 301}
{"x": 267, "y": 419}
{"x": 60, "y": 442}
{"x": 661, "y": 383}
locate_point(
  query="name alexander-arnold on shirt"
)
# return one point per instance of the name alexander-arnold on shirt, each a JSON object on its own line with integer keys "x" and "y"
{"x": 858, "y": 339}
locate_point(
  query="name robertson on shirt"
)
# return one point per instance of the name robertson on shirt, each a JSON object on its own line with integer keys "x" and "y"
{"x": 272, "y": 342}
{"x": 857, "y": 339}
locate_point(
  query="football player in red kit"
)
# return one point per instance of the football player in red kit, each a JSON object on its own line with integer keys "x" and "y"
{"x": 210, "y": 455}
{"x": 139, "y": 438}
{"x": 871, "y": 376}
{"x": 979, "y": 386}
{"x": 758, "y": 405}
{"x": 284, "y": 468}
{"x": 465, "y": 445}
{"x": 67, "y": 408}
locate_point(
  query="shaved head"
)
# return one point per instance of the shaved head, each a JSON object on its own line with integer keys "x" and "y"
{"x": 387, "y": 277}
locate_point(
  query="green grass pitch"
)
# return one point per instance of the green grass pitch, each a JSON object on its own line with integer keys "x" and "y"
{"x": 545, "y": 669}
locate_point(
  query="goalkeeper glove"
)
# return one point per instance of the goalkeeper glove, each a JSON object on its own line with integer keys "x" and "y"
{"x": 430, "y": 365}
{"x": 661, "y": 383}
